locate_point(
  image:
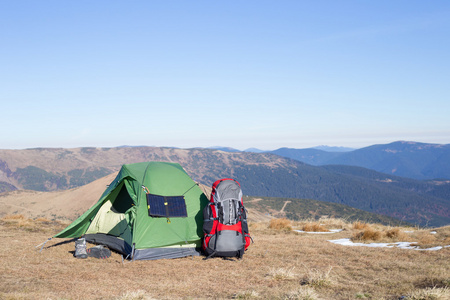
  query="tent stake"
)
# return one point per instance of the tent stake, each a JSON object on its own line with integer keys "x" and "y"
{"x": 43, "y": 244}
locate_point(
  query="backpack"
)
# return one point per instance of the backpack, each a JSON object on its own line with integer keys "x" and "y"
{"x": 225, "y": 221}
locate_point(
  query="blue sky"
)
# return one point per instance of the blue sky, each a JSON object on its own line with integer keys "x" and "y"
{"x": 265, "y": 74}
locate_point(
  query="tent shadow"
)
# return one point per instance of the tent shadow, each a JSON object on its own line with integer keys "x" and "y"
{"x": 61, "y": 243}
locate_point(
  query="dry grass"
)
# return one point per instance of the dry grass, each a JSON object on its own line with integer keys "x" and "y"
{"x": 426, "y": 240}
{"x": 302, "y": 293}
{"x": 369, "y": 235}
{"x": 422, "y": 238}
{"x": 334, "y": 223}
{"x": 324, "y": 224}
{"x": 317, "y": 278}
{"x": 429, "y": 294}
{"x": 279, "y": 265}
{"x": 358, "y": 225}
{"x": 22, "y": 222}
{"x": 397, "y": 234}
{"x": 246, "y": 295}
{"x": 43, "y": 220}
{"x": 134, "y": 295}
{"x": 12, "y": 218}
{"x": 280, "y": 224}
{"x": 282, "y": 273}
{"x": 259, "y": 226}
{"x": 314, "y": 227}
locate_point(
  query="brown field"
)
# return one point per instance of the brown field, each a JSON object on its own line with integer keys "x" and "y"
{"x": 281, "y": 264}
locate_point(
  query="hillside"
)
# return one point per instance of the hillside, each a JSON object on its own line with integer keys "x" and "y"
{"x": 49, "y": 169}
{"x": 407, "y": 159}
{"x": 67, "y": 205}
{"x": 261, "y": 174}
{"x": 301, "y": 209}
{"x": 57, "y": 205}
{"x": 310, "y": 156}
{"x": 369, "y": 194}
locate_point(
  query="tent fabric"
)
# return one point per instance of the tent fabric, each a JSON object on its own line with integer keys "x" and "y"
{"x": 120, "y": 218}
{"x": 112, "y": 242}
{"x": 167, "y": 252}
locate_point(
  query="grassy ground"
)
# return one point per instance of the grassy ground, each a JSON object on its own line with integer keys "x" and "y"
{"x": 281, "y": 264}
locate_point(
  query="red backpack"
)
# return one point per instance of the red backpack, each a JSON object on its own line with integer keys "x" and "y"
{"x": 225, "y": 221}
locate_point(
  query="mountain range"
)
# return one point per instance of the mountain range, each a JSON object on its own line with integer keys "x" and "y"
{"x": 260, "y": 174}
{"x": 407, "y": 159}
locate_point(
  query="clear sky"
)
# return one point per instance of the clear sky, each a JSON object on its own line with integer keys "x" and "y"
{"x": 254, "y": 73}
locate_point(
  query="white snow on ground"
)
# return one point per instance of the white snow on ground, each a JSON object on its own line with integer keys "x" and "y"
{"x": 401, "y": 245}
{"x": 316, "y": 232}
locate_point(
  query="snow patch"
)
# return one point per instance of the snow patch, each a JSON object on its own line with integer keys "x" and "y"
{"x": 400, "y": 245}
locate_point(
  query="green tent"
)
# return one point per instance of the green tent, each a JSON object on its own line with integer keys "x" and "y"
{"x": 151, "y": 210}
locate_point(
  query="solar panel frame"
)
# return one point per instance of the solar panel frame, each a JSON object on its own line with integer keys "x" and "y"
{"x": 166, "y": 206}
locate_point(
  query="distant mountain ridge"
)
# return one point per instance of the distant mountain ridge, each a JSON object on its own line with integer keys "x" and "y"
{"x": 260, "y": 174}
{"x": 226, "y": 149}
{"x": 230, "y": 149}
{"x": 310, "y": 156}
{"x": 407, "y": 159}
{"x": 334, "y": 149}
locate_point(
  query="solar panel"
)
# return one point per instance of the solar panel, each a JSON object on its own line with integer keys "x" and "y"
{"x": 166, "y": 206}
